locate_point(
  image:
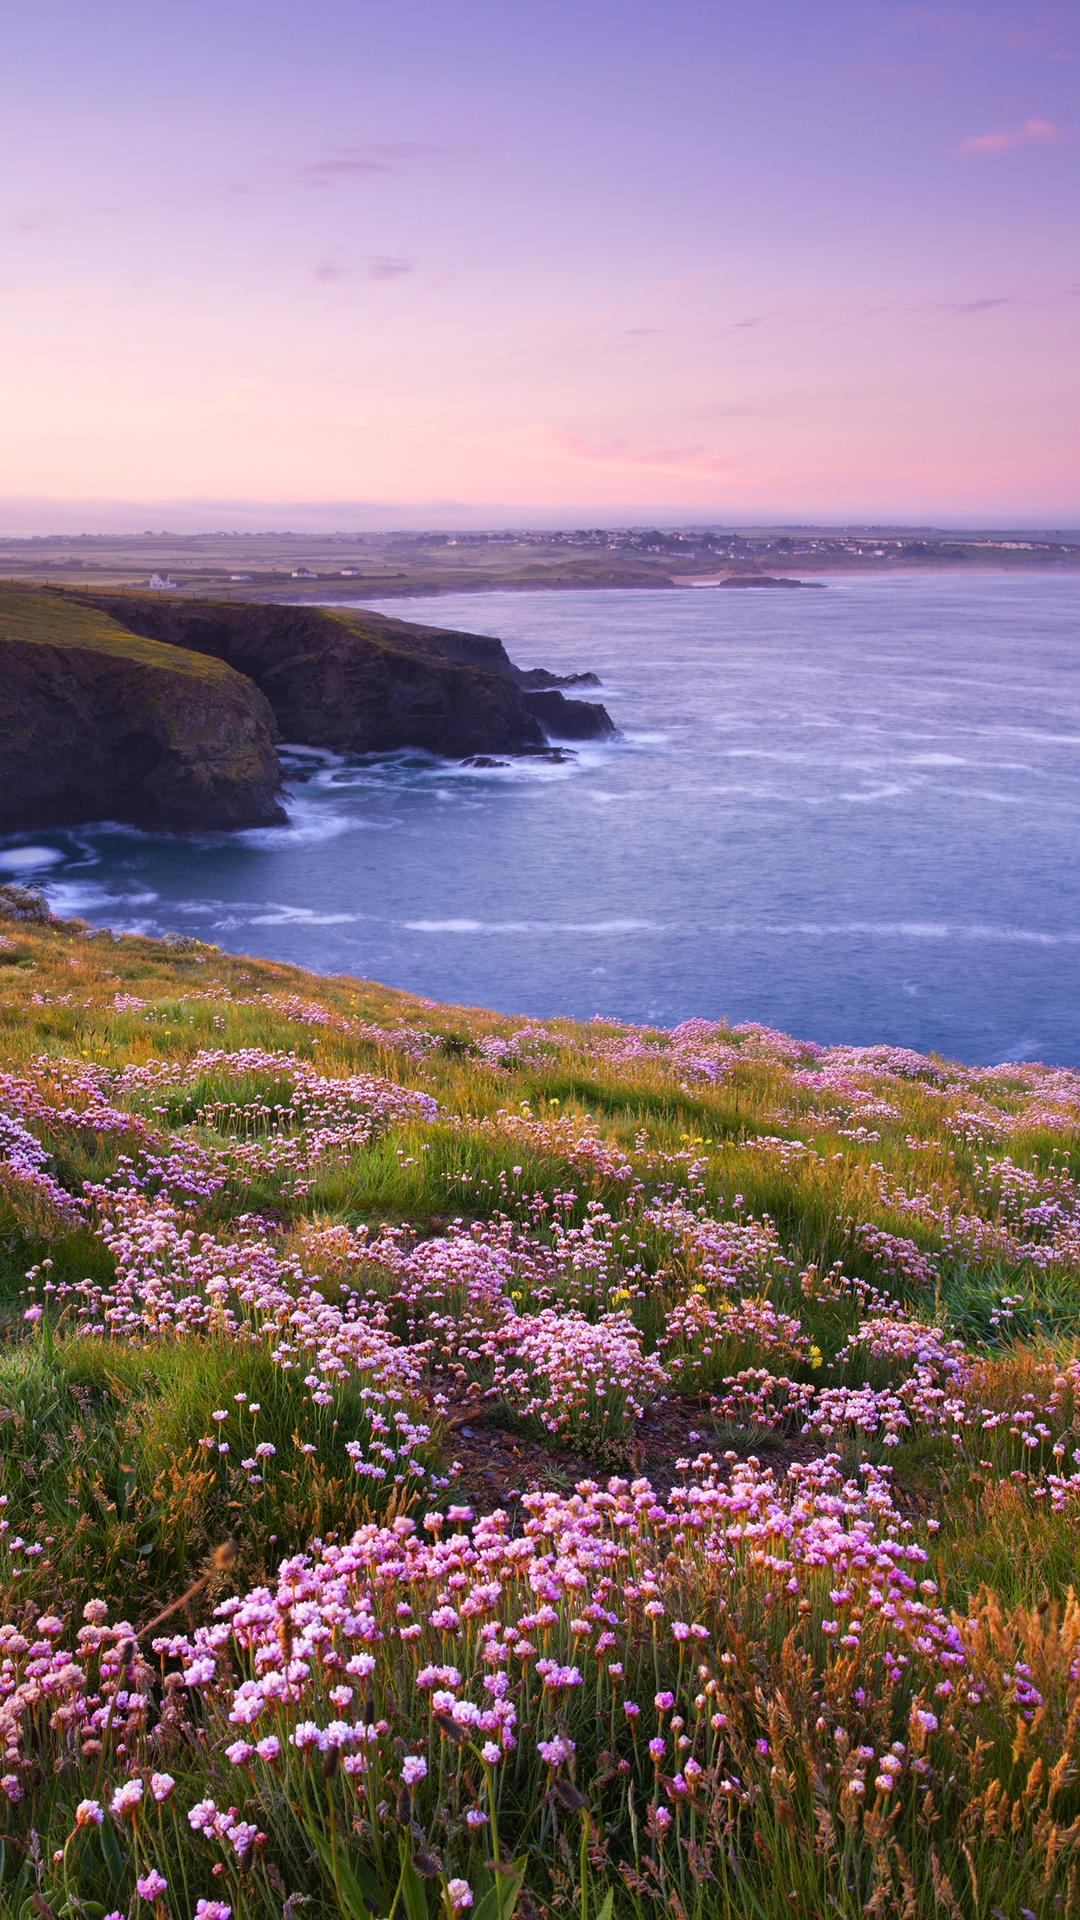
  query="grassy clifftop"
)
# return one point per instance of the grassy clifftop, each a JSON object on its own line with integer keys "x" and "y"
{"x": 361, "y": 682}
{"x": 99, "y": 723}
{"x": 164, "y": 712}
{"x": 448, "y": 1458}
{"x": 48, "y": 617}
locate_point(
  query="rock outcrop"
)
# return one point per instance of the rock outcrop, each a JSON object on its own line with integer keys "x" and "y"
{"x": 165, "y": 712}
{"x": 769, "y": 580}
{"x": 96, "y": 723}
{"x": 363, "y": 682}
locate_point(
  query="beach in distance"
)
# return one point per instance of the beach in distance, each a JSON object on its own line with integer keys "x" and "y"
{"x": 851, "y": 814}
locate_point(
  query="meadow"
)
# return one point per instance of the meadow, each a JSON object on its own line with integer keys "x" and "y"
{"x": 457, "y": 1465}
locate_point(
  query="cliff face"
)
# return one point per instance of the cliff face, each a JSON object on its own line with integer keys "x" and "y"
{"x": 164, "y": 712}
{"x": 361, "y": 682}
{"x": 96, "y": 723}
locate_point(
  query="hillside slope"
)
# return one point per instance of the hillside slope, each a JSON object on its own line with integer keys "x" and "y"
{"x": 98, "y": 723}
{"x": 643, "y": 1460}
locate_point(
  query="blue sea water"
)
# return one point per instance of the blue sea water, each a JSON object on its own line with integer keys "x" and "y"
{"x": 852, "y": 813}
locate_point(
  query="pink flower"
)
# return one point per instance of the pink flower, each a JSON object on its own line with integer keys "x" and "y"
{"x": 150, "y": 1886}
{"x": 126, "y": 1799}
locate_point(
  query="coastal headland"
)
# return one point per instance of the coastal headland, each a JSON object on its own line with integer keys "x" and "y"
{"x": 165, "y": 712}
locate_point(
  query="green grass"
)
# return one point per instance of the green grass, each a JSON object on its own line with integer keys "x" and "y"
{"x": 42, "y": 616}
{"x": 100, "y": 1454}
{"x": 104, "y": 1462}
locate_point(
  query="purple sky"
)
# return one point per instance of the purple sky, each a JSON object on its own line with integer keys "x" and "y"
{"x": 777, "y": 258}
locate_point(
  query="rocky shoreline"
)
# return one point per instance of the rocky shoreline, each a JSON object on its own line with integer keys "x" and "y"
{"x": 165, "y": 713}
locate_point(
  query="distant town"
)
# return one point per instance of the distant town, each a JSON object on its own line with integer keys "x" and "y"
{"x": 349, "y": 566}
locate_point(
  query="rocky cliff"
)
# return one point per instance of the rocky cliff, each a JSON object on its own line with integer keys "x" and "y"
{"x": 362, "y": 682}
{"x": 97, "y": 723}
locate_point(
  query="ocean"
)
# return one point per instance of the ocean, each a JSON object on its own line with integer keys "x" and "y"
{"x": 851, "y": 813}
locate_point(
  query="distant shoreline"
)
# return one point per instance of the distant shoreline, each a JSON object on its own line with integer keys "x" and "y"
{"x": 471, "y": 584}
{"x": 329, "y": 591}
{"x": 354, "y": 568}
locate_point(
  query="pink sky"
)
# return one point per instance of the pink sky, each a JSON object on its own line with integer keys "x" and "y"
{"x": 722, "y": 261}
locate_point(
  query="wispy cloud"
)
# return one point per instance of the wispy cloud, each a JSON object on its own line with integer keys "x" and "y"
{"x": 983, "y": 304}
{"x": 344, "y": 163}
{"x": 616, "y": 452}
{"x": 743, "y": 326}
{"x": 1032, "y": 133}
{"x": 969, "y": 306}
{"x": 378, "y": 267}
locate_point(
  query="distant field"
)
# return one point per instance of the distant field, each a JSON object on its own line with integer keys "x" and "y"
{"x": 390, "y": 564}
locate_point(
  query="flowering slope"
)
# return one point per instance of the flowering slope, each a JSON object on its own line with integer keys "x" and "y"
{"x": 268, "y": 1244}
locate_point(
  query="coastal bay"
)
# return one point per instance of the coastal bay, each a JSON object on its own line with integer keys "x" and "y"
{"x": 851, "y": 814}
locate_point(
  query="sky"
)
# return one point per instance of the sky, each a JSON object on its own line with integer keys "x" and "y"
{"x": 508, "y": 261}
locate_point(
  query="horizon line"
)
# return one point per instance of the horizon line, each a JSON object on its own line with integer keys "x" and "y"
{"x": 26, "y": 520}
